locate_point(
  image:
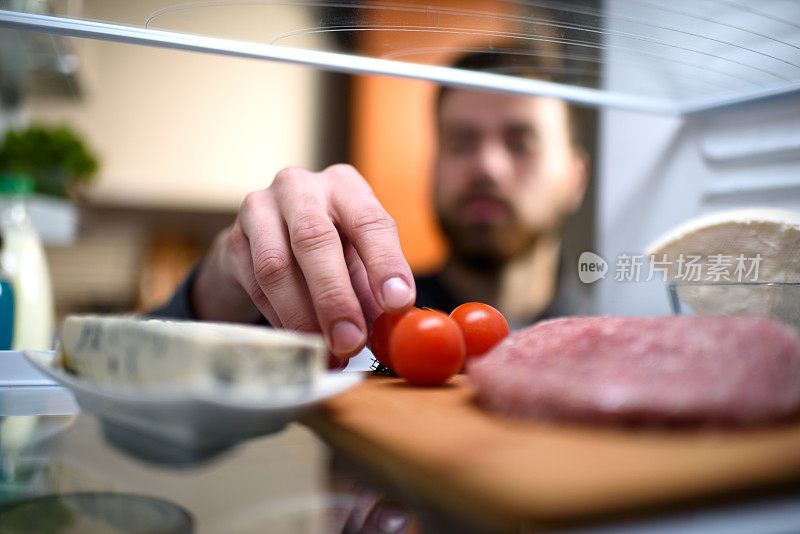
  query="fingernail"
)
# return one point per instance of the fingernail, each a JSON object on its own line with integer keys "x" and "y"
{"x": 346, "y": 337}
{"x": 396, "y": 292}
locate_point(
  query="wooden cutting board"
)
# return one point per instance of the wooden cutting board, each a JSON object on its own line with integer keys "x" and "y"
{"x": 439, "y": 444}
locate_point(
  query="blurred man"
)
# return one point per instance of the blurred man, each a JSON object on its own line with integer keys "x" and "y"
{"x": 317, "y": 251}
{"x": 507, "y": 177}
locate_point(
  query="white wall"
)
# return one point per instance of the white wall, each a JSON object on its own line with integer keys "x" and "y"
{"x": 180, "y": 129}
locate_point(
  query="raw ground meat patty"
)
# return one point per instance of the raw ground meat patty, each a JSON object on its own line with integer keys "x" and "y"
{"x": 716, "y": 370}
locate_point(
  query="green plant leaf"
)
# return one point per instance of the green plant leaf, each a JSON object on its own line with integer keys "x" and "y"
{"x": 56, "y": 158}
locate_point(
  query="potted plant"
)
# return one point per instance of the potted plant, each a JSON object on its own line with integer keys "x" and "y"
{"x": 59, "y": 164}
{"x": 56, "y": 159}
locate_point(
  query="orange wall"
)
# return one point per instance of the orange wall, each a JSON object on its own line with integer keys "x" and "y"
{"x": 393, "y": 148}
{"x": 393, "y": 129}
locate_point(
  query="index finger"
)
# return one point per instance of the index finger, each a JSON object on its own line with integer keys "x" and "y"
{"x": 373, "y": 233}
{"x": 318, "y": 251}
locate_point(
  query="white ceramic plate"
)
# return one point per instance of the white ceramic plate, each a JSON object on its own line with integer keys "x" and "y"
{"x": 195, "y": 423}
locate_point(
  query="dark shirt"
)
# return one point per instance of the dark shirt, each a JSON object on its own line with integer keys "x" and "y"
{"x": 431, "y": 293}
{"x": 179, "y": 305}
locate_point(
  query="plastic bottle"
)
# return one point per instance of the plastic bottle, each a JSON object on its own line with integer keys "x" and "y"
{"x": 6, "y": 308}
{"x": 23, "y": 261}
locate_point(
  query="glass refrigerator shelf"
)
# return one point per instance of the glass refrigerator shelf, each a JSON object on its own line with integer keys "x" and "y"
{"x": 677, "y": 58}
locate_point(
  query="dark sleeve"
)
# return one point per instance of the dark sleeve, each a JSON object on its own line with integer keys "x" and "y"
{"x": 432, "y": 293}
{"x": 179, "y": 305}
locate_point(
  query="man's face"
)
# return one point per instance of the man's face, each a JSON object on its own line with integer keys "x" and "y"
{"x": 506, "y": 173}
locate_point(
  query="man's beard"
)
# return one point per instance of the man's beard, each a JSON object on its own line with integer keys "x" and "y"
{"x": 486, "y": 248}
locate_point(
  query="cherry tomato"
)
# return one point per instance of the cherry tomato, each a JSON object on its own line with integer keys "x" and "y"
{"x": 483, "y": 326}
{"x": 426, "y": 348}
{"x": 379, "y": 336}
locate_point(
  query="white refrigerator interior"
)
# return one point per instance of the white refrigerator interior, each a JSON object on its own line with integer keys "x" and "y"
{"x": 656, "y": 171}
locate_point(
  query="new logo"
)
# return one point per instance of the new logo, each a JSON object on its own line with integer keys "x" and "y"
{"x": 591, "y": 267}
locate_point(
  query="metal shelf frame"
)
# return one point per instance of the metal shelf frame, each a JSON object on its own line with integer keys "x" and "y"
{"x": 354, "y": 64}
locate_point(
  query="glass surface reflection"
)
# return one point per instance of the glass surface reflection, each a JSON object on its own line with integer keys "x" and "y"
{"x": 679, "y": 57}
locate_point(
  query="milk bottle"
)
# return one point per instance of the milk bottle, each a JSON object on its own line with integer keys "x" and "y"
{"x": 24, "y": 265}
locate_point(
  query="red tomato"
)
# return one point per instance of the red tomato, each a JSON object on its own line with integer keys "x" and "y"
{"x": 379, "y": 336}
{"x": 426, "y": 348}
{"x": 483, "y": 326}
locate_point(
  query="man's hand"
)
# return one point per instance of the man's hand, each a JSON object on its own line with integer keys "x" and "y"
{"x": 312, "y": 252}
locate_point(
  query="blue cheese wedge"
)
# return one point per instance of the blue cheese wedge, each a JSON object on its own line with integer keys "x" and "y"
{"x": 149, "y": 354}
